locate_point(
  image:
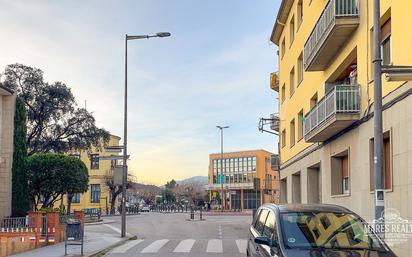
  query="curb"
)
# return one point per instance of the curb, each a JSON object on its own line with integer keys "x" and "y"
{"x": 99, "y": 223}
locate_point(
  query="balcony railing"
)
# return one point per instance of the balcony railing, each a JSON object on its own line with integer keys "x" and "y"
{"x": 343, "y": 99}
{"x": 334, "y": 11}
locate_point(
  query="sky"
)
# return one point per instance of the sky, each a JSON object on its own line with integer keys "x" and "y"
{"x": 213, "y": 70}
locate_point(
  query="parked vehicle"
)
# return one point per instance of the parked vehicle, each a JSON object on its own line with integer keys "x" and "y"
{"x": 312, "y": 230}
{"x": 145, "y": 209}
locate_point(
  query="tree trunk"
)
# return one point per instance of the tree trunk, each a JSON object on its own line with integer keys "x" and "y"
{"x": 69, "y": 203}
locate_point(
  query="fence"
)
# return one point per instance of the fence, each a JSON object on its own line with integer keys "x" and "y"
{"x": 20, "y": 222}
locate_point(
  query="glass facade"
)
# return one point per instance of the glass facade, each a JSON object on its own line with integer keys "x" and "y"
{"x": 235, "y": 170}
{"x": 251, "y": 199}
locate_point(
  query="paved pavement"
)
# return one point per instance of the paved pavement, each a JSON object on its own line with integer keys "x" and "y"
{"x": 172, "y": 234}
{"x": 97, "y": 237}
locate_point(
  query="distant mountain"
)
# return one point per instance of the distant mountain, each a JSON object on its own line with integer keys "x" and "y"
{"x": 203, "y": 180}
{"x": 146, "y": 188}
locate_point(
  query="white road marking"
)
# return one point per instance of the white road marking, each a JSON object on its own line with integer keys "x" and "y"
{"x": 116, "y": 229}
{"x": 214, "y": 246}
{"x": 241, "y": 245}
{"x": 184, "y": 246}
{"x": 155, "y": 246}
{"x": 124, "y": 248}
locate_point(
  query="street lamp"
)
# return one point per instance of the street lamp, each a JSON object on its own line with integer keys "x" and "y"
{"x": 124, "y": 177}
{"x": 223, "y": 198}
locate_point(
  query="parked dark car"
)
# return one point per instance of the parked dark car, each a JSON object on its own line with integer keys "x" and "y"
{"x": 314, "y": 230}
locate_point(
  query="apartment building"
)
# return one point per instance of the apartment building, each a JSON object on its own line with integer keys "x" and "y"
{"x": 325, "y": 86}
{"x": 248, "y": 179}
{"x": 98, "y": 194}
{"x": 7, "y": 107}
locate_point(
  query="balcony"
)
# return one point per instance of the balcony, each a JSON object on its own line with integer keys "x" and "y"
{"x": 274, "y": 81}
{"x": 338, "y": 21}
{"x": 274, "y": 122}
{"x": 336, "y": 111}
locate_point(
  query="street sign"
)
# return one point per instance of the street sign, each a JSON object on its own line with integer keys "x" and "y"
{"x": 118, "y": 175}
{"x": 115, "y": 148}
{"x": 112, "y": 158}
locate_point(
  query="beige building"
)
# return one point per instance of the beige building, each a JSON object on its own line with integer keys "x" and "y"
{"x": 249, "y": 179}
{"x": 325, "y": 87}
{"x": 7, "y": 106}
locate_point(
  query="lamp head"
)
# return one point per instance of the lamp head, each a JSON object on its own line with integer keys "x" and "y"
{"x": 163, "y": 34}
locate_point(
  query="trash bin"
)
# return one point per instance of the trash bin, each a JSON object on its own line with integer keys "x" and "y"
{"x": 74, "y": 234}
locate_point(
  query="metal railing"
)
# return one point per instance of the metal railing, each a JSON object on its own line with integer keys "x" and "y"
{"x": 19, "y": 222}
{"x": 341, "y": 99}
{"x": 334, "y": 9}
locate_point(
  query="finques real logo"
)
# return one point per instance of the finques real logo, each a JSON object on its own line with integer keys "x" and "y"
{"x": 391, "y": 227}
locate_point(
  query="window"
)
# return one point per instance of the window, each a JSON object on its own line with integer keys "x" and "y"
{"x": 300, "y": 125}
{"x": 292, "y": 30}
{"x": 95, "y": 193}
{"x": 314, "y": 100}
{"x": 387, "y": 162}
{"x": 300, "y": 12}
{"x": 76, "y": 198}
{"x": 300, "y": 68}
{"x": 292, "y": 133}
{"x": 283, "y": 93}
{"x": 340, "y": 173}
{"x": 270, "y": 228}
{"x": 386, "y": 43}
{"x": 94, "y": 161}
{"x": 283, "y": 138}
{"x": 260, "y": 223}
{"x": 292, "y": 82}
{"x": 283, "y": 49}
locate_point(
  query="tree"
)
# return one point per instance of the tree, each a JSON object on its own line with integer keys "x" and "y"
{"x": 54, "y": 123}
{"x": 115, "y": 190}
{"x": 20, "y": 193}
{"x": 171, "y": 184}
{"x": 51, "y": 176}
{"x": 168, "y": 196}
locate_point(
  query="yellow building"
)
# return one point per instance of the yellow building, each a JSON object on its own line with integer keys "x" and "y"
{"x": 98, "y": 194}
{"x": 248, "y": 178}
{"x": 325, "y": 86}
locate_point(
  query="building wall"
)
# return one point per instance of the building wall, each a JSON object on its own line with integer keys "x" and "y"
{"x": 263, "y": 167}
{"x": 358, "y": 44}
{"x": 96, "y": 176}
{"x": 7, "y": 107}
{"x": 308, "y": 170}
{"x": 360, "y": 198}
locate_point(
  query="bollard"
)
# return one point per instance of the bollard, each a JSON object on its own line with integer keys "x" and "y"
{"x": 201, "y": 214}
{"x": 192, "y": 214}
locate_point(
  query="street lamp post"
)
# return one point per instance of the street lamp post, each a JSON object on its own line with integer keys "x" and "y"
{"x": 124, "y": 177}
{"x": 223, "y": 198}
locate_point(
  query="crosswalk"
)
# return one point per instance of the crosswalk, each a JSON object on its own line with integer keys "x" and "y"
{"x": 147, "y": 246}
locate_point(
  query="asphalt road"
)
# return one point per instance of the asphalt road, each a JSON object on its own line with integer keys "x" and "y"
{"x": 172, "y": 234}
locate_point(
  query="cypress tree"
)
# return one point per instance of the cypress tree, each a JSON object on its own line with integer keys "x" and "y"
{"x": 20, "y": 194}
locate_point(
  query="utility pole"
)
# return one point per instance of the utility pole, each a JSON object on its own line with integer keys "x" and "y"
{"x": 378, "y": 131}
{"x": 125, "y": 157}
{"x": 223, "y": 198}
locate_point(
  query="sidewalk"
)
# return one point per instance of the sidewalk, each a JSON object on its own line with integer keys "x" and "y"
{"x": 94, "y": 242}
